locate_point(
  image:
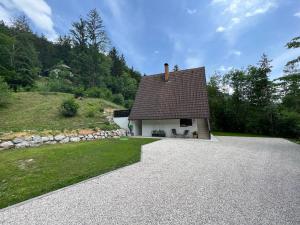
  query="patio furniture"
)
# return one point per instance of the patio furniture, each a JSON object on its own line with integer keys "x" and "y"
{"x": 174, "y": 132}
{"x": 185, "y": 133}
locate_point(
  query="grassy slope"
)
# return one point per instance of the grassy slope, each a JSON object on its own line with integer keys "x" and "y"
{"x": 36, "y": 111}
{"x": 31, "y": 172}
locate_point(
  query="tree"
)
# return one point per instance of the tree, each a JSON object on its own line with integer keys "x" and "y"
{"x": 238, "y": 83}
{"x": 21, "y": 24}
{"x": 96, "y": 32}
{"x": 289, "y": 83}
{"x": 5, "y": 94}
{"x": 79, "y": 33}
{"x": 118, "y": 63}
{"x": 259, "y": 86}
{"x": 176, "y": 68}
{"x": 63, "y": 49}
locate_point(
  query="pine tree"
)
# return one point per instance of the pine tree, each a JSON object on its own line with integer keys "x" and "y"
{"x": 96, "y": 32}
{"x": 79, "y": 33}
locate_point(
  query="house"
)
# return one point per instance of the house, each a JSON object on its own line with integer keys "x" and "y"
{"x": 172, "y": 100}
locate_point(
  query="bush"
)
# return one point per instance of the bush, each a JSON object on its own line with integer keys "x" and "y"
{"x": 129, "y": 103}
{"x": 118, "y": 99}
{"x": 5, "y": 93}
{"x": 78, "y": 92}
{"x": 101, "y": 109}
{"x": 90, "y": 114}
{"x": 60, "y": 85}
{"x": 96, "y": 92}
{"x": 69, "y": 108}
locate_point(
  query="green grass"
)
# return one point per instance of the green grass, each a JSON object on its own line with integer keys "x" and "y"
{"x": 40, "y": 111}
{"x": 31, "y": 172}
{"x": 219, "y": 133}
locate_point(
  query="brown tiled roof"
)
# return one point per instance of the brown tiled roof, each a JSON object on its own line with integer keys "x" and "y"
{"x": 183, "y": 96}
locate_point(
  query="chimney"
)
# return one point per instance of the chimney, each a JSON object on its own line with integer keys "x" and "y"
{"x": 166, "y": 72}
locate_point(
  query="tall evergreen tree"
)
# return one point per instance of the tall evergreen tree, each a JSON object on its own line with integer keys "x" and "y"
{"x": 79, "y": 33}
{"x": 259, "y": 85}
{"x": 118, "y": 63}
{"x": 96, "y": 33}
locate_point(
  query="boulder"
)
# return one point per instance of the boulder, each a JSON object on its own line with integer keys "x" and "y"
{"x": 50, "y": 142}
{"x": 90, "y": 137}
{"x": 23, "y": 144}
{"x": 51, "y": 138}
{"x": 17, "y": 140}
{"x": 74, "y": 139}
{"x": 65, "y": 140}
{"x": 37, "y": 139}
{"x": 45, "y": 139}
{"x": 34, "y": 144}
{"x": 7, "y": 144}
{"x": 59, "y": 137}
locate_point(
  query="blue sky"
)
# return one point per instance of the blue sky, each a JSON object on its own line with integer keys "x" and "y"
{"x": 217, "y": 34}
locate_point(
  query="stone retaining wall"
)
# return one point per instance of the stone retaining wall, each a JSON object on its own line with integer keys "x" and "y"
{"x": 36, "y": 140}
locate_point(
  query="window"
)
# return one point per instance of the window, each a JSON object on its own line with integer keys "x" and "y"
{"x": 186, "y": 122}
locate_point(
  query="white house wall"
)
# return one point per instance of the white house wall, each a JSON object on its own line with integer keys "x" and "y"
{"x": 122, "y": 122}
{"x": 149, "y": 125}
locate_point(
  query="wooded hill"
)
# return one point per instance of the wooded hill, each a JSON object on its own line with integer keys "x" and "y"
{"x": 80, "y": 62}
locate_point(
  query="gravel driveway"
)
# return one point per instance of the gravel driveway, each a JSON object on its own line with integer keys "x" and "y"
{"x": 229, "y": 181}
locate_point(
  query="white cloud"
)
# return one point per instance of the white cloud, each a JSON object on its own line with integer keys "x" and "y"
{"x": 38, "y": 11}
{"x": 235, "y": 20}
{"x": 220, "y": 29}
{"x": 193, "y": 61}
{"x": 191, "y": 11}
{"x": 297, "y": 14}
{"x": 279, "y": 62}
{"x": 4, "y": 15}
{"x": 224, "y": 68}
{"x": 260, "y": 10}
{"x": 235, "y": 13}
{"x": 236, "y": 52}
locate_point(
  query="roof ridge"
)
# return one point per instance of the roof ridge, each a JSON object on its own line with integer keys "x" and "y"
{"x": 172, "y": 72}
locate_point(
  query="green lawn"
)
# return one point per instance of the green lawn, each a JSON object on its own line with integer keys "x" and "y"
{"x": 40, "y": 111}
{"x": 26, "y": 173}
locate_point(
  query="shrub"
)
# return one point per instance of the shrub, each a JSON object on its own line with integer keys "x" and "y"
{"x": 78, "y": 92}
{"x": 5, "y": 93}
{"x": 101, "y": 109}
{"x": 118, "y": 99}
{"x": 129, "y": 103}
{"x": 96, "y": 92}
{"x": 60, "y": 85}
{"x": 90, "y": 113}
{"x": 69, "y": 108}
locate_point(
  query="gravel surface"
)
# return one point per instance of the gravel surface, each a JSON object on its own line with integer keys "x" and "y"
{"x": 230, "y": 181}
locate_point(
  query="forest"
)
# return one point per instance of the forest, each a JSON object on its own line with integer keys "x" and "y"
{"x": 247, "y": 101}
{"x": 81, "y": 62}
{"x": 84, "y": 63}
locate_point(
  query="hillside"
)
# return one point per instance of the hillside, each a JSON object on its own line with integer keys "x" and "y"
{"x": 40, "y": 111}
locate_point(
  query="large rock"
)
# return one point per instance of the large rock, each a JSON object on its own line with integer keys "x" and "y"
{"x": 17, "y": 140}
{"x": 37, "y": 139}
{"x": 51, "y": 138}
{"x": 74, "y": 139}
{"x": 34, "y": 144}
{"x": 65, "y": 140}
{"x": 90, "y": 137}
{"x": 50, "y": 142}
{"x": 23, "y": 144}
{"x": 59, "y": 137}
{"x": 45, "y": 139}
{"x": 6, "y": 145}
